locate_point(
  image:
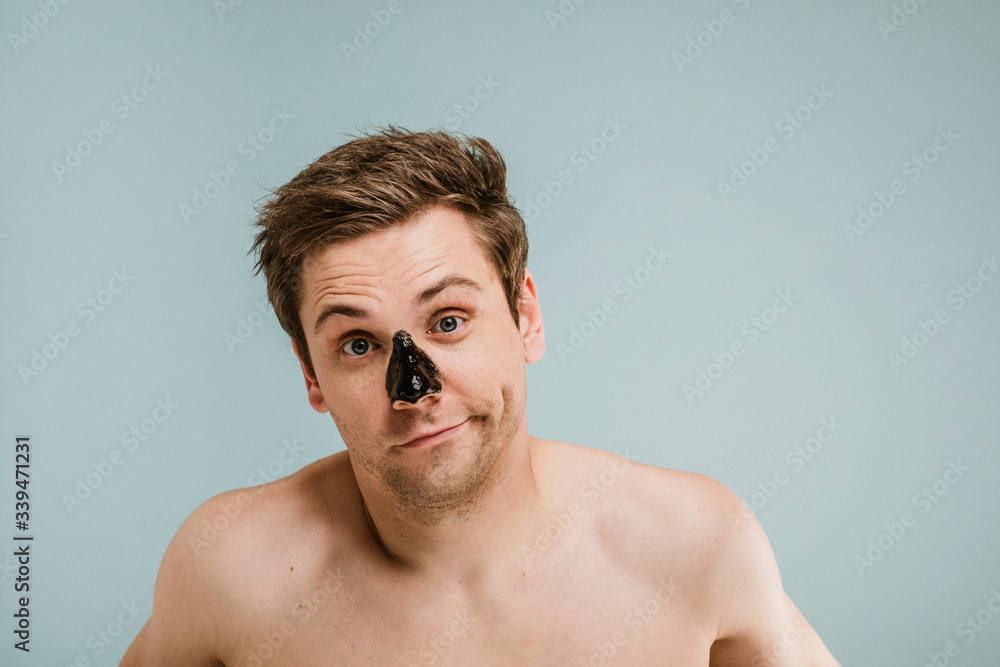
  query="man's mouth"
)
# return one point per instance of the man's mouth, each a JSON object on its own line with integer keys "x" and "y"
{"x": 433, "y": 437}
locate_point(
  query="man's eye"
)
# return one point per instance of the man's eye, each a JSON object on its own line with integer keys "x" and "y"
{"x": 448, "y": 324}
{"x": 357, "y": 347}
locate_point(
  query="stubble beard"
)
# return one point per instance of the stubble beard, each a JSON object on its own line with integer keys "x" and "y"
{"x": 456, "y": 476}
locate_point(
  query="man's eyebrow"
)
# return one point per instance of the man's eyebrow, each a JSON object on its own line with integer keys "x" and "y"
{"x": 453, "y": 280}
{"x": 338, "y": 309}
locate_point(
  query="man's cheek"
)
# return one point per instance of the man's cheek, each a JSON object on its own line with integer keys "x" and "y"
{"x": 347, "y": 407}
{"x": 353, "y": 432}
{"x": 357, "y": 388}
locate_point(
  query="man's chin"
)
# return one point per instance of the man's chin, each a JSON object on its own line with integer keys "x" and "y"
{"x": 432, "y": 483}
{"x": 446, "y": 477}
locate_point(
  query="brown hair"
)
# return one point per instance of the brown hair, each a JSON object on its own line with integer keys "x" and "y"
{"x": 374, "y": 182}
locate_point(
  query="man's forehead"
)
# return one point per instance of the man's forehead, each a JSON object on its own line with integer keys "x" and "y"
{"x": 414, "y": 260}
{"x": 438, "y": 236}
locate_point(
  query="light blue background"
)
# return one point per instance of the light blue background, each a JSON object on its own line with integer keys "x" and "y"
{"x": 164, "y": 336}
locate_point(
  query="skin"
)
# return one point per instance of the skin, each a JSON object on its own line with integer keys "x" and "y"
{"x": 477, "y": 545}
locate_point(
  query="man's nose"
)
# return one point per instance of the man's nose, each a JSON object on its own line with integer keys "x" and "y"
{"x": 411, "y": 376}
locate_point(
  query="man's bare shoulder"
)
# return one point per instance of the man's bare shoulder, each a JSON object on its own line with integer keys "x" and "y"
{"x": 696, "y": 534}
{"x": 266, "y": 532}
{"x": 695, "y": 501}
{"x": 241, "y": 557}
{"x": 661, "y": 517}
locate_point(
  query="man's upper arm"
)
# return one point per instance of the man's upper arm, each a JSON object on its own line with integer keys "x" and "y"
{"x": 182, "y": 629}
{"x": 758, "y": 623}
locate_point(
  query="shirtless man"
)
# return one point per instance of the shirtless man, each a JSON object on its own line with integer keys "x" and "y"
{"x": 445, "y": 534}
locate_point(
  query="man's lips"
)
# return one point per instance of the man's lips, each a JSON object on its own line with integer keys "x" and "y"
{"x": 434, "y": 437}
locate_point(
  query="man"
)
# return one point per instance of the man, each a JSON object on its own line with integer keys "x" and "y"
{"x": 446, "y": 534}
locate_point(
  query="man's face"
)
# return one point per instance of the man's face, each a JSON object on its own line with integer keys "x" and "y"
{"x": 429, "y": 277}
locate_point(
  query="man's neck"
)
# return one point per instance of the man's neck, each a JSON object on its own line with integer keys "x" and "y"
{"x": 473, "y": 537}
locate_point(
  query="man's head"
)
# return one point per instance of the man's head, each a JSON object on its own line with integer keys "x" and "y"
{"x": 377, "y": 181}
{"x": 408, "y": 234}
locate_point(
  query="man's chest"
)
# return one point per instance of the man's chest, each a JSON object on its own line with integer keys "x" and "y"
{"x": 561, "y": 624}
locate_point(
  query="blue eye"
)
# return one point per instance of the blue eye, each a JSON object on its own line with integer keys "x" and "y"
{"x": 357, "y": 347}
{"x": 448, "y": 324}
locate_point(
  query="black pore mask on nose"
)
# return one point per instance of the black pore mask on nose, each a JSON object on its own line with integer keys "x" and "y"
{"x": 411, "y": 374}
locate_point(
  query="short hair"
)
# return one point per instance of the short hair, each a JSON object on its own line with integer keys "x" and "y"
{"x": 373, "y": 182}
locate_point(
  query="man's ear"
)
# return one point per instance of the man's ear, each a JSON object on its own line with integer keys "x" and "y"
{"x": 316, "y": 399}
{"x": 530, "y": 320}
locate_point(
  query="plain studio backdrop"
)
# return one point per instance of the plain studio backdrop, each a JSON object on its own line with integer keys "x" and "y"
{"x": 764, "y": 233}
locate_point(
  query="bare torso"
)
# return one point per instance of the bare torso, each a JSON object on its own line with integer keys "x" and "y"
{"x": 623, "y": 568}
{"x": 297, "y": 578}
